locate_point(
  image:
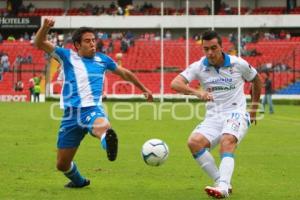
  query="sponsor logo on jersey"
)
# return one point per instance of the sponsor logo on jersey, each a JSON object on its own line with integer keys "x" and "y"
{"x": 221, "y": 88}
{"x": 220, "y": 80}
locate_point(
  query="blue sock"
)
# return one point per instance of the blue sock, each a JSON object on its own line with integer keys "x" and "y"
{"x": 74, "y": 175}
{"x": 199, "y": 153}
{"x": 227, "y": 154}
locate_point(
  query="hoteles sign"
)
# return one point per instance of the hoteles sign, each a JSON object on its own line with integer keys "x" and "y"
{"x": 20, "y": 22}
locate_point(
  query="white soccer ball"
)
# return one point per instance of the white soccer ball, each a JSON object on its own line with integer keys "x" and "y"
{"x": 155, "y": 152}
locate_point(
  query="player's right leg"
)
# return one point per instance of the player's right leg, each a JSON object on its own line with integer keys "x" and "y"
{"x": 199, "y": 145}
{"x": 69, "y": 168}
{"x": 69, "y": 138}
{"x": 207, "y": 135}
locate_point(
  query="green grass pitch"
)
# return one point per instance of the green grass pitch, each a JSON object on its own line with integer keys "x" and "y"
{"x": 267, "y": 160}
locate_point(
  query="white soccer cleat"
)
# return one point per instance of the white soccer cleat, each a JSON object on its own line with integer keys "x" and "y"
{"x": 229, "y": 187}
{"x": 216, "y": 192}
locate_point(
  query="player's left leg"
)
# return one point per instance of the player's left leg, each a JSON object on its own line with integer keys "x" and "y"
{"x": 108, "y": 137}
{"x": 234, "y": 129}
{"x": 227, "y": 146}
{"x": 95, "y": 119}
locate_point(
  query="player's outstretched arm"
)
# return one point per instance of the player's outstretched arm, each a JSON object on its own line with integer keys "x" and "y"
{"x": 129, "y": 76}
{"x": 255, "y": 96}
{"x": 41, "y": 40}
{"x": 179, "y": 84}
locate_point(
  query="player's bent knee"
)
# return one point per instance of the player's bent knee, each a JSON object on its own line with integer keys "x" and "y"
{"x": 98, "y": 131}
{"x": 191, "y": 143}
{"x": 194, "y": 145}
{"x": 228, "y": 143}
{"x": 197, "y": 142}
{"x": 228, "y": 139}
{"x": 101, "y": 123}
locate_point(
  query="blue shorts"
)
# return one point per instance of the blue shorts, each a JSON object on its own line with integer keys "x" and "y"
{"x": 76, "y": 123}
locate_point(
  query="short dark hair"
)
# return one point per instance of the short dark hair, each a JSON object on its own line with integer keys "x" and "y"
{"x": 210, "y": 34}
{"x": 77, "y": 35}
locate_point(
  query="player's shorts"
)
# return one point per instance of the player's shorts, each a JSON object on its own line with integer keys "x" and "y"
{"x": 213, "y": 127}
{"x": 76, "y": 123}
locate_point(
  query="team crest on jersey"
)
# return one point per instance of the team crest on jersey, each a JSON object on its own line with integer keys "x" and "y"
{"x": 97, "y": 59}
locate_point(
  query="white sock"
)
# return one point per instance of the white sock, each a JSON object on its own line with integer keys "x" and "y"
{"x": 103, "y": 136}
{"x": 71, "y": 167}
{"x": 226, "y": 170}
{"x": 103, "y": 141}
{"x": 208, "y": 164}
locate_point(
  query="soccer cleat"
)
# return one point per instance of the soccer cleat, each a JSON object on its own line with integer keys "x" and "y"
{"x": 73, "y": 185}
{"x": 229, "y": 187}
{"x": 111, "y": 140}
{"x": 216, "y": 192}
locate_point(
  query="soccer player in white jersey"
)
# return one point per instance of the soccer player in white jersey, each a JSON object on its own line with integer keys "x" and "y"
{"x": 83, "y": 74}
{"x": 226, "y": 120}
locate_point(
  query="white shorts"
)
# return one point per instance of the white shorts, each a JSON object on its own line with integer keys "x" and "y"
{"x": 213, "y": 127}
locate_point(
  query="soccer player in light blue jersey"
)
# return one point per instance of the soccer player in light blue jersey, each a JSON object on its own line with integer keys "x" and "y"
{"x": 226, "y": 122}
{"x": 83, "y": 74}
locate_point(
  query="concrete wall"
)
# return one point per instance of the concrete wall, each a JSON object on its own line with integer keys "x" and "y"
{"x": 119, "y": 22}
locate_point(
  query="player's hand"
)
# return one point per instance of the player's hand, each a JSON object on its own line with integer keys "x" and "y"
{"x": 148, "y": 95}
{"x": 252, "y": 111}
{"x": 48, "y": 22}
{"x": 206, "y": 96}
{"x": 253, "y": 117}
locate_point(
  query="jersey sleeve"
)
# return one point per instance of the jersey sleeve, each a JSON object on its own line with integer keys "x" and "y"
{"x": 110, "y": 63}
{"x": 190, "y": 73}
{"x": 248, "y": 72}
{"x": 60, "y": 53}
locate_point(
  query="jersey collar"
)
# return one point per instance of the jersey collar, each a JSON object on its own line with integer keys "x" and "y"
{"x": 226, "y": 61}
